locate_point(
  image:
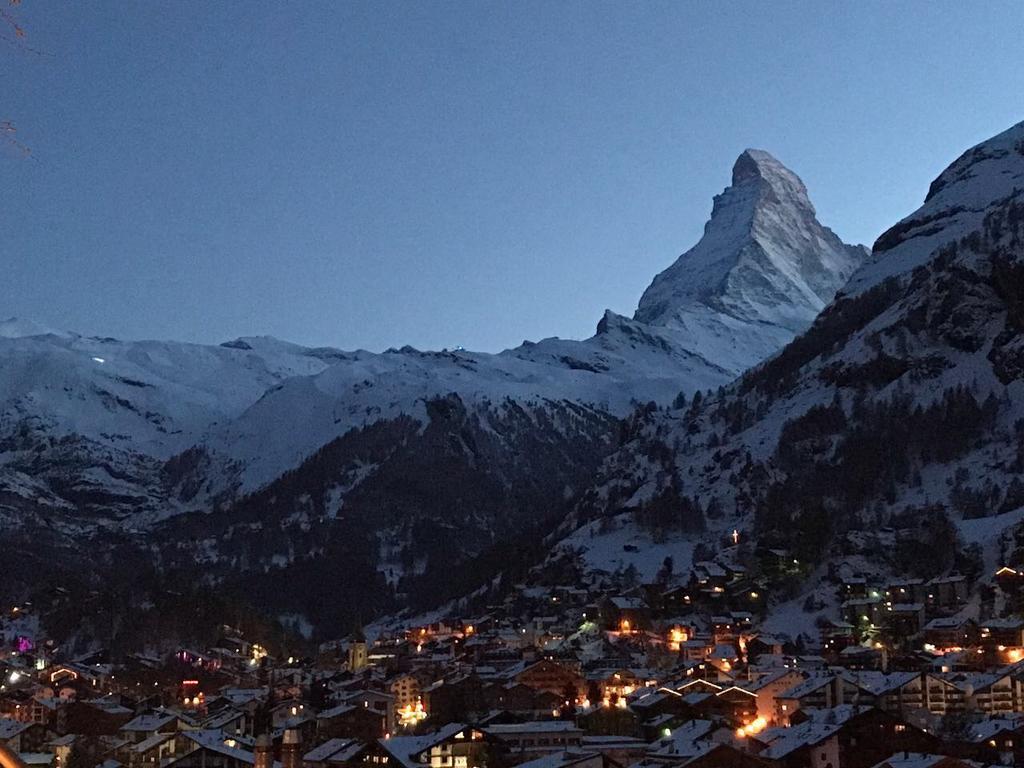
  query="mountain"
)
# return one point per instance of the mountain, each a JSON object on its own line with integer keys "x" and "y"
{"x": 761, "y": 273}
{"x": 292, "y": 448}
{"x": 888, "y": 438}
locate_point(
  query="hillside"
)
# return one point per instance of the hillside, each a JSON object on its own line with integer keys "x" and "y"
{"x": 879, "y": 439}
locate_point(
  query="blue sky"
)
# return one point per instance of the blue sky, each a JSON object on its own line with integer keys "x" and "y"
{"x": 369, "y": 174}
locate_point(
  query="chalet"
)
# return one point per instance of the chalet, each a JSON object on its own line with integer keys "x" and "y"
{"x": 546, "y": 675}
{"x": 861, "y": 657}
{"x": 153, "y": 752}
{"x": 725, "y": 658}
{"x": 1010, "y": 581}
{"x": 709, "y": 578}
{"x": 864, "y": 611}
{"x": 835, "y": 636}
{"x": 764, "y": 643}
{"x": 616, "y": 750}
{"x": 149, "y": 724}
{"x": 285, "y": 713}
{"x": 621, "y": 681}
{"x": 947, "y": 592}
{"x": 997, "y": 740}
{"x": 209, "y": 749}
{"x": 21, "y": 736}
{"x": 947, "y": 633}
{"x": 454, "y": 746}
{"x": 625, "y": 614}
{"x": 855, "y": 587}
{"x": 677, "y": 600}
{"x": 337, "y": 753}
{"x": 723, "y": 629}
{"x": 455, "y": 697}
{"x": 406, "y": 689}
{"x": 523, "y": 700}
{"x": 907, "y": 591}
{"x": 380, "y": 702}
{"x": 1007, "y": 633}
{"x": 736, "y": 704}
{"x": 537, "y": 737}
{"x": 807, "y": 745}
{"x": 351, "y": 721}
{"x": 866, "y": 735}
{"x": 906, "y": 620}
{"x": 660, "y": 704}
{"x": 821, "y": 691}
{"x": 769, "y": 686}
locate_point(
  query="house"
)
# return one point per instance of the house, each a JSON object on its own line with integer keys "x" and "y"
{"x": 379, "y": 701}
{"x": 864, "y": 612}
{"x": 21, "y": 736}
{"x": 337, "y": 753}
{"x": 947, "y": 592}
{"x": 407, "y": 692}
{"x": 152, "y": 752}
{"x": 820, "y": 691}
{"x": 149, "y": 724}
{"x": 895, "y": 692}
{"x": 456, "y": 745}
{"x": 548, "y": 675}
{"x": 949, "y": 633}
{"x": 835, "y": 636}
{"x": 906, "y": 619}
{"x": 906, "y": 591}
{"x": 999, "y": 634}
{"x": 537, "y": 737}
{"x": 867, "y": 735}
{"x": 455, "y": 697}
{"x": 351, "y": 721}
{"x": 769, "y": 686}
{"x": 991, "y": 693}
{"x": 209, "y": 749}
{"x": 809, "y": 744}
{"x": 625, "y": 614}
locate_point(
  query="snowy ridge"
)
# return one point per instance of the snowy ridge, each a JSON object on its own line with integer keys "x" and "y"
{"x": 981, "y": 179}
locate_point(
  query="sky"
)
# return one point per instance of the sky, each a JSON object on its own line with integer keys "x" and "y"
{"x": 373, "y": 174}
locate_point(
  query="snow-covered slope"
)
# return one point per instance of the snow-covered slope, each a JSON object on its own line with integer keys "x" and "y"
{"x": 153, "y": 397}
{"x": 956, "y": 205}
{"x": 620, "y": 366}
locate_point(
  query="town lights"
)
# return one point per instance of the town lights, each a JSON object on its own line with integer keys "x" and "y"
{"x": 755, "y": 726}
{"x": 410, "y": 714}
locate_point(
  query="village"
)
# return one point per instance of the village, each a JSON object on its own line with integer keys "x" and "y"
{"x": 587, "y": 674}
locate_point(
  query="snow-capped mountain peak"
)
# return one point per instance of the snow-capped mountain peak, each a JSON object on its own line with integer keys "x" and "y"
{"x": 761, "y": 273}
